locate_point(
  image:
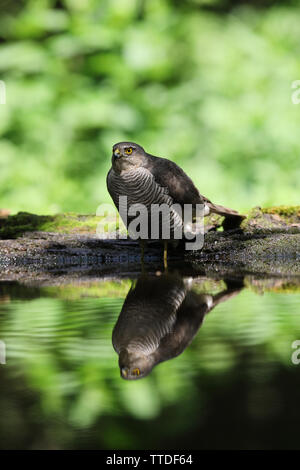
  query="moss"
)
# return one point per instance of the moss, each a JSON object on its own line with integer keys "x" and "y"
{"x": 116, "y": 289}
{"x": 208, "y": 286}
{"x": 278, "y": 286}
{"x": 274, "y": 219}
{"x": 271, "y": 219}
{"x": 283, "y": 211}
{"x": 16, "y": 225}
{"x": 285, "y": 289}
{"x": 70, "y": 222}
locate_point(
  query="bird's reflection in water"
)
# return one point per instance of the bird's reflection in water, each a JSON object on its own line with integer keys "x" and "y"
{"x": 160, "y": 317}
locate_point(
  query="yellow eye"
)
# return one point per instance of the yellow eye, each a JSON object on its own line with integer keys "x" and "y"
{"x": 128, "y": 151}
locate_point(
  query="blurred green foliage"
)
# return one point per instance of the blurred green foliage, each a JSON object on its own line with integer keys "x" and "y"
{"x": 206, "y": 83}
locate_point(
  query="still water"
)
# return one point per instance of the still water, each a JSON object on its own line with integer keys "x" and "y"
{"x": 161, "y": 361}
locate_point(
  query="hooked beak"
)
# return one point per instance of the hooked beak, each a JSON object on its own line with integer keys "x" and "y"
{"x": 124, "y": 372}
{"x": 117, "y": 153}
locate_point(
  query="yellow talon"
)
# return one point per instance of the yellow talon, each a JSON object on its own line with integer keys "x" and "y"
{"x": 165, "y": 254}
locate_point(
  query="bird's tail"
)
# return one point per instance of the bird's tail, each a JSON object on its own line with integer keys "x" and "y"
{"x": 232, "y": 217}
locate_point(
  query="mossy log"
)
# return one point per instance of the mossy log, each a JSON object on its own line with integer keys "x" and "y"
{"x": 268, "y": 242}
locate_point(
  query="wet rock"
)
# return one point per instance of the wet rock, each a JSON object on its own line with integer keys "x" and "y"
{"x": 37, "y": 247}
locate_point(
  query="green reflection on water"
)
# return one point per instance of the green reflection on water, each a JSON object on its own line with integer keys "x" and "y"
{"x": 61, "y": 385}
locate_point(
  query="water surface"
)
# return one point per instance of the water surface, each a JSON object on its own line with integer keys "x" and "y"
{"x": 222, "y": 374}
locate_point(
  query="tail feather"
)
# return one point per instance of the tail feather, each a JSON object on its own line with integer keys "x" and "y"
{"x": 221, "y": 210}
{"x": 232, "y": 217}
{"x": 216, "y": 209}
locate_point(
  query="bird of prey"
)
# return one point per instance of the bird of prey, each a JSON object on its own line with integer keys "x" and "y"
{"x": 159, "y": 318}
{"x": 147, "y": 179}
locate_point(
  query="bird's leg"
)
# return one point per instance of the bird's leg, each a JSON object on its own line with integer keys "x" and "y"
{"x": 165, "y": 254}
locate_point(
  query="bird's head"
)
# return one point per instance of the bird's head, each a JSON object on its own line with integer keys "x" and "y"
{"x": 127, "y": 156}
{"x": 134, "y": 365}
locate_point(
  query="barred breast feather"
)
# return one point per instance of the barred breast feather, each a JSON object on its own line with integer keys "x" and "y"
{"x": 140, "y": 187}
{"x": 149, "y": 314}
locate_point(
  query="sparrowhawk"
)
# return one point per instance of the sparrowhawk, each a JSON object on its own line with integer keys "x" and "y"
{"x": 159, "y": 318}
{"x": 147, "y": 179}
